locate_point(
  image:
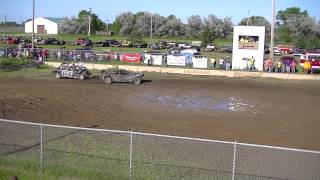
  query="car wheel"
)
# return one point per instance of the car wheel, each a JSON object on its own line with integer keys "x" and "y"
{"x": 82, "y": 77}
{"x": 58, "y": 76}
{"x": 108, "y": 80}
{"x": 137, "y": 81}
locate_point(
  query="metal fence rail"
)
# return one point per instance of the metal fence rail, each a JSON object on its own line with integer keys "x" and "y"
{"x": 110, "y": 154}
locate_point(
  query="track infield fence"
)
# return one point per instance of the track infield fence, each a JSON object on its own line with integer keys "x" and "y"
{"x": 88, "y": 153}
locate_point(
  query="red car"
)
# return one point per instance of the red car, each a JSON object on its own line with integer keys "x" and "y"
{"x": 13, "y": 40}
{"x": 314, "y": 57}
{"x": 84, "y": 42}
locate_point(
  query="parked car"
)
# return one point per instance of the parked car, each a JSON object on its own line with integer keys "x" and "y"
{"x": 226, "y": 48}
{"x": 37, "y": 40}
{"x": 140, "y": 44}
{"x": 101, "y": 44}
{"x": 13, "y": 40}
{"x": 84, "y": 42}
{"x": 276, "y": 51}
{"x": 121, "y": 75}
{"x": 112, "y": 43}
{"x": 52, "y": 41}
{"x": 171, "y": 45}
{"x": 184, "y": 45}
{"x": 126, "y": 43}
{"x": 298, "y": 52}
{"x": 72, "y": 71}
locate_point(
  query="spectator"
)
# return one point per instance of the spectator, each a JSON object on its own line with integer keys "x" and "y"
{"x": 221, "y": 63}
{"x": 293, "y": 67}
{"x": 213, "y": 62}
{"x": 252, "y": 64}
{"x": 306, "y": 66}
{"x": 269, "y": 64}
{"x": 278, "y": 66}
{"x": 228, "y": 65}
{"x": 288, "y": 64}
{"x": 44, "y": 54}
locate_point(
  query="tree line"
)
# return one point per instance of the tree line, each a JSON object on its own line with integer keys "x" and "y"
{"x": 293, "y": 26}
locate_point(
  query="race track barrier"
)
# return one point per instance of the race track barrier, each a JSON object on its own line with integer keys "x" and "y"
{"x": 203, "y": 72}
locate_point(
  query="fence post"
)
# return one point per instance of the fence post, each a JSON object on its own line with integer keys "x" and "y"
{"x": 130, "y": 156}
{"x": 41, "y": 146}
{"x": 234, "y": 159}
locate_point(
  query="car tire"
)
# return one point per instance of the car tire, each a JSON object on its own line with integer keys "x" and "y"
{"x": 57, "y": 76}
{"x": 137, "y": 81}
{"x": 107, "y": 80}
{"x": 82, "y": 77}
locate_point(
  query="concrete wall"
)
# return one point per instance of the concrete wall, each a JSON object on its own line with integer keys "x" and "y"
{"x": 204, "y": 72}
{"x": 51, "y": 27}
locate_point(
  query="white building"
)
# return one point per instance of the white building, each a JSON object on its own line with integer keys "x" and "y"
{"x": 43, "y": 25}
{"x": 248, "y": 42}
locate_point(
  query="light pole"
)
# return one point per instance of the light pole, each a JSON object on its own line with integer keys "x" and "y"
{"x": 248, "y": 18}
{"x": 32, "y": 43}
{"x": 89, "y": 29}
{"x": 107, "y": 25}
{"x": 5, "y": 27}
{"x": 272, "y": 30}
{"x": 151, "y": 30}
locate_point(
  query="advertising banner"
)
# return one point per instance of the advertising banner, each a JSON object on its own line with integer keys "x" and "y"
{"x": 200, "y": 62}
{"x": 156, "y": 60}
{"x": 176, "y": 60}
{"x": 134, "y": 58}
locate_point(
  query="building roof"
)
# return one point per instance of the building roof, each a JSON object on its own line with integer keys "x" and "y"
{"x": 56, "y": 20}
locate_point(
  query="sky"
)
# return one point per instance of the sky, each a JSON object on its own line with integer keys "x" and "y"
{"x": 107, "y": 10}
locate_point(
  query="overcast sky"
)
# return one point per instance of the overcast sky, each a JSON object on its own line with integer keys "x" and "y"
{"x": 15, "y": 10}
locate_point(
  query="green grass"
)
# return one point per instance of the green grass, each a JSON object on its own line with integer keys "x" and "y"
{"x": 12, "y": 61}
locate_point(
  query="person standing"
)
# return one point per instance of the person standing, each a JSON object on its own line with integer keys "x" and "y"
{"x": 306, "y": 67}
{"x": 221, "y": 63}
{"x": 293, "y": 67}
{"x": 213, "y": 62}
{"x": 278, "y": 66}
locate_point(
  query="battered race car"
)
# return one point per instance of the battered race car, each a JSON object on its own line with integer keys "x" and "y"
{"x": 72, "y": 71}
{"x": 121, "y": 75}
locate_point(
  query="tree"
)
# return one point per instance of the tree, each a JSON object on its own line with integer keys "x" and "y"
{"x": 173, "y": 26}
{"x": 257, "y": 21}
{"x": 69, "y": 26}
{"x": 96, "y": 23}
{"x": 194, "y": 26}
{"x": 126, "y": 21}
{"x": 216, "y": 28}
{"x": 293, "y": 24}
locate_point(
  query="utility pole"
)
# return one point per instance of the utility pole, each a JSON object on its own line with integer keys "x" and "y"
{"x": 248, "y": 18}
{"x": 21, "y": 24}
{"x": 107, "y": 25}
{"x": 32, "y": 43}
{"x": 5, "y": 27}
{"x": 272, "y": 30}
{"x": 89, "y": 30}
{"x": 151, "y": 30}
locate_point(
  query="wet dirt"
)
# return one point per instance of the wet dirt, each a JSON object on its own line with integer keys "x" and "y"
{"x": 261, "y": 111}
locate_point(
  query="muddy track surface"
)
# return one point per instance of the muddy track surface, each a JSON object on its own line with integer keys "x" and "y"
{"x": 271, "y": 112}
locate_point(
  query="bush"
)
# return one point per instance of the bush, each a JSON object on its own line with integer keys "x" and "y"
{"x": 11, "y": 61}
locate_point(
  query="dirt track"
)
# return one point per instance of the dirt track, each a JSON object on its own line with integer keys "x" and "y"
{"x": 262, "y": 111}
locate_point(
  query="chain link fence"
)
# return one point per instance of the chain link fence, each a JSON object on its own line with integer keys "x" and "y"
{"x": 88, "y": 153}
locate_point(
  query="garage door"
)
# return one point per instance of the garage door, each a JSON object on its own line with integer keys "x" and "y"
{"x": 40, "y": 29}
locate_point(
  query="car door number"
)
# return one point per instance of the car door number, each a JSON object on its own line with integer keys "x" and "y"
{"x": 67, "y": 73}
